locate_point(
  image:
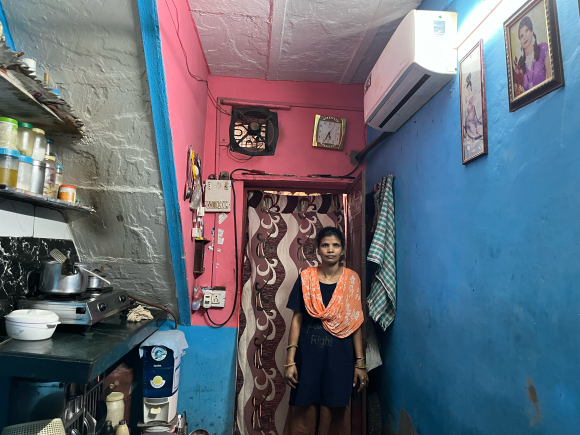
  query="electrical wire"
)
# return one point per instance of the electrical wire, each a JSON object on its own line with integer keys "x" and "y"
{"x": 231, "y": 155}
{"x": 236, "y": 255}
{"x": 156, "y": 306}
{"x": 213, "y": 100}
{"x": 351, "y": 172}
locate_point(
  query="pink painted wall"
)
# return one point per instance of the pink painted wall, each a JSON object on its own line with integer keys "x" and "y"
{"x": 187, "y": 101}
{"x": 294, "y": 155}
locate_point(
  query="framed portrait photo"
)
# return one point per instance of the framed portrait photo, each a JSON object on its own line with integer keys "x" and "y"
{"x": 533, "y": 54}
{"x": 472, "y": 104}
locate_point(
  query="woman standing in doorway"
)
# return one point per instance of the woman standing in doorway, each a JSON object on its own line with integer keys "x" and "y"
{"x": 325, "y": 362}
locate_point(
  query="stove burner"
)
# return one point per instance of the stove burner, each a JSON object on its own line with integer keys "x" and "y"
{"x": 85, "y": 308}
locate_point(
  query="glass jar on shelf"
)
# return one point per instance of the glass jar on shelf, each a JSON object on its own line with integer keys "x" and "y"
{"x": 9, "y": 166}
{"x": 59, "y": 177}
{"x": 50, "y": 177}
{"x": 39, "y": 147}
{"x": 50, "y": 147}
{"x": 8, "y": 133}
{"x": 25, "y": 139}
{"x": 24, "y": 172}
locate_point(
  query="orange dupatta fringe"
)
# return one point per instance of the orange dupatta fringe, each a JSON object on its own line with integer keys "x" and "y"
{"x": 343, "y": 315}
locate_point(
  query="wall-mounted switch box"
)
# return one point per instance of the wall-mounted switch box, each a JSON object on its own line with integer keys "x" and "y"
{"x": 218, "y": 195}
{"x": 206, "y": 299}
{"x": 217, "y": 297}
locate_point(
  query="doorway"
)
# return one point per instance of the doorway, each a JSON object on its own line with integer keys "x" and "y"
{"x": 280, "y": 241}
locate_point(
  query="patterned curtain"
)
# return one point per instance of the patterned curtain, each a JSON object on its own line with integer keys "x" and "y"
{"x": 281, "y": 242}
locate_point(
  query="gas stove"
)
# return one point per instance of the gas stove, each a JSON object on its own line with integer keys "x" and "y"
{"x": 85, "y": 308}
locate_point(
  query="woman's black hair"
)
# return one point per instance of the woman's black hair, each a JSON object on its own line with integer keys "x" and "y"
{"x": 527, "y": 22}
{"x": 328, "y": 232}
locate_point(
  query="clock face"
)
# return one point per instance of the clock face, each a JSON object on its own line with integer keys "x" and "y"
{"x": 328, "y": 133}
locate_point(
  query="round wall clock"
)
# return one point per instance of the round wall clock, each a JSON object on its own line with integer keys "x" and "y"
{"x": 329, "y": 132}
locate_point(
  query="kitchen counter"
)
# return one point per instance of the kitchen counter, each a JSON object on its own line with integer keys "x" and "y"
{"x": 71, "y": 356}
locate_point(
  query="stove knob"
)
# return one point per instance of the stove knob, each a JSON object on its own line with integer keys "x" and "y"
{"x": 122, "y": 298}
{"x": 102, "y": 307}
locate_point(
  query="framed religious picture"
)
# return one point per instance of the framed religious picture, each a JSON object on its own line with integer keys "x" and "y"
{"x": 472, "y": 104}
{"x": 533, "y": 54}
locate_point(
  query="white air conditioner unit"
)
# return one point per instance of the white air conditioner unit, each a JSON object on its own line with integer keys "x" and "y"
{"x": 417, "y": 62}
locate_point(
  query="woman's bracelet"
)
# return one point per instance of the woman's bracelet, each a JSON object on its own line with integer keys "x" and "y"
{"x": 290, "y": 365}
{"x": 360, "y": 358}
{"x": 291, "y": 346}
{"x": 359, "y": 367}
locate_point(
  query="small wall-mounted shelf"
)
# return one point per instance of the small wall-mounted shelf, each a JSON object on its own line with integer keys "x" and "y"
{"x": 199, "y": 256}
{"x": 17, "y": 103}
{"x": 41, "y": 200}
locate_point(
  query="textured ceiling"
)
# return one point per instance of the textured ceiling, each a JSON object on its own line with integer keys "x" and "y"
{"x": 302, "y": 40}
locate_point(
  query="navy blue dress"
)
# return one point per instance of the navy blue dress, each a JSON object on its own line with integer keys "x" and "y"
{"x": 324, "y": 362}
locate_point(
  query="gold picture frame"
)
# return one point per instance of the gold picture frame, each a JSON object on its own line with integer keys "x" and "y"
{"x": 533, "y": 27}
{"x": 316, "y": 142}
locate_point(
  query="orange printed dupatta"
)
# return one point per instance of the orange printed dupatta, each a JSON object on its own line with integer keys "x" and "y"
{"x": 344, "y": 314}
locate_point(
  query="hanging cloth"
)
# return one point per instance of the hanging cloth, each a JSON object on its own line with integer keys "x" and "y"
{"x": 382, "y": 300}
{"x": 379, "y": 195}
{"x": 343, "y": 315}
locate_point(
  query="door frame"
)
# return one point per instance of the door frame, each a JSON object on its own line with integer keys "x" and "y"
{"x": 281, "y": 184}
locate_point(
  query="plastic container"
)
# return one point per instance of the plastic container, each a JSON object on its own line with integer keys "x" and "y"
{"x": 25, "y": 139}
{"x": 39, "y": 147}
{"x": 67, "y": 193}
{"x": 49, "y": 147}
{"x": 59, "y": 177}
{"x": 50, "y": 177}
{"x": 37, "y": 178}
{"x": 31, "y": 325}
{"x": 24, "y": 172}
{"x": 115, "y": 408}
{"x": 9, "y": 166}
{"x": 8, "y": 133}
{"x": 122, "y": 429}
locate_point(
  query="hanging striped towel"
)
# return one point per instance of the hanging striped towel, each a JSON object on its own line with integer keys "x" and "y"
{"x": 382, "y": 300}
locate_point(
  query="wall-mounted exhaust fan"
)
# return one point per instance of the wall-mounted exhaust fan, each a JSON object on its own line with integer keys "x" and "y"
{"x": 253, "y": 131}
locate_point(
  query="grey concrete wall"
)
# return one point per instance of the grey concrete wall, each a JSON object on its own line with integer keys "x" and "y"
{"x": 94, "y": 53}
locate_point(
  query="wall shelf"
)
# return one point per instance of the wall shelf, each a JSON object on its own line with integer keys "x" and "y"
{"x": 16, "y": 102}
{"x": 41, "y": 200}
{"x": 199, "y": 256}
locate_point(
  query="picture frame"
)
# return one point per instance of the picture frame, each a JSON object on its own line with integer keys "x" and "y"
{"x": 533, "y": 53}
{"x": 473, "y": 104}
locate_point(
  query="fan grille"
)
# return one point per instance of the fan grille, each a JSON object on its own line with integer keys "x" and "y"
{"x": 241, "y": 130}
{"x": 253, "y": 131}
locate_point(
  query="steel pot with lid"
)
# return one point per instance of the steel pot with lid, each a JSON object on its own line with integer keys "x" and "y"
{"x": 54, "y": 282}
{"x": 95, "y": 282}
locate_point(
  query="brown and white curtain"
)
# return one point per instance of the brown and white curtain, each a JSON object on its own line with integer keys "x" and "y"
{"x": 281, "y": 242}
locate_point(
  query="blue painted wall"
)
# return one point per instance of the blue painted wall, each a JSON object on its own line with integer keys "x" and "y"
{"x": 158, "y": 90}
{"x": 6, "y": 28}
{"x": 487, "y": 259}
{"x": 208, "y": 377}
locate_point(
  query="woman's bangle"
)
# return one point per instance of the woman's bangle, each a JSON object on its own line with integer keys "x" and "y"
{"x": 290, "y": 365}
{"x": 360, "y": 358}
{"x": 359, "y": 367}
{"x": 291, "y": 346}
